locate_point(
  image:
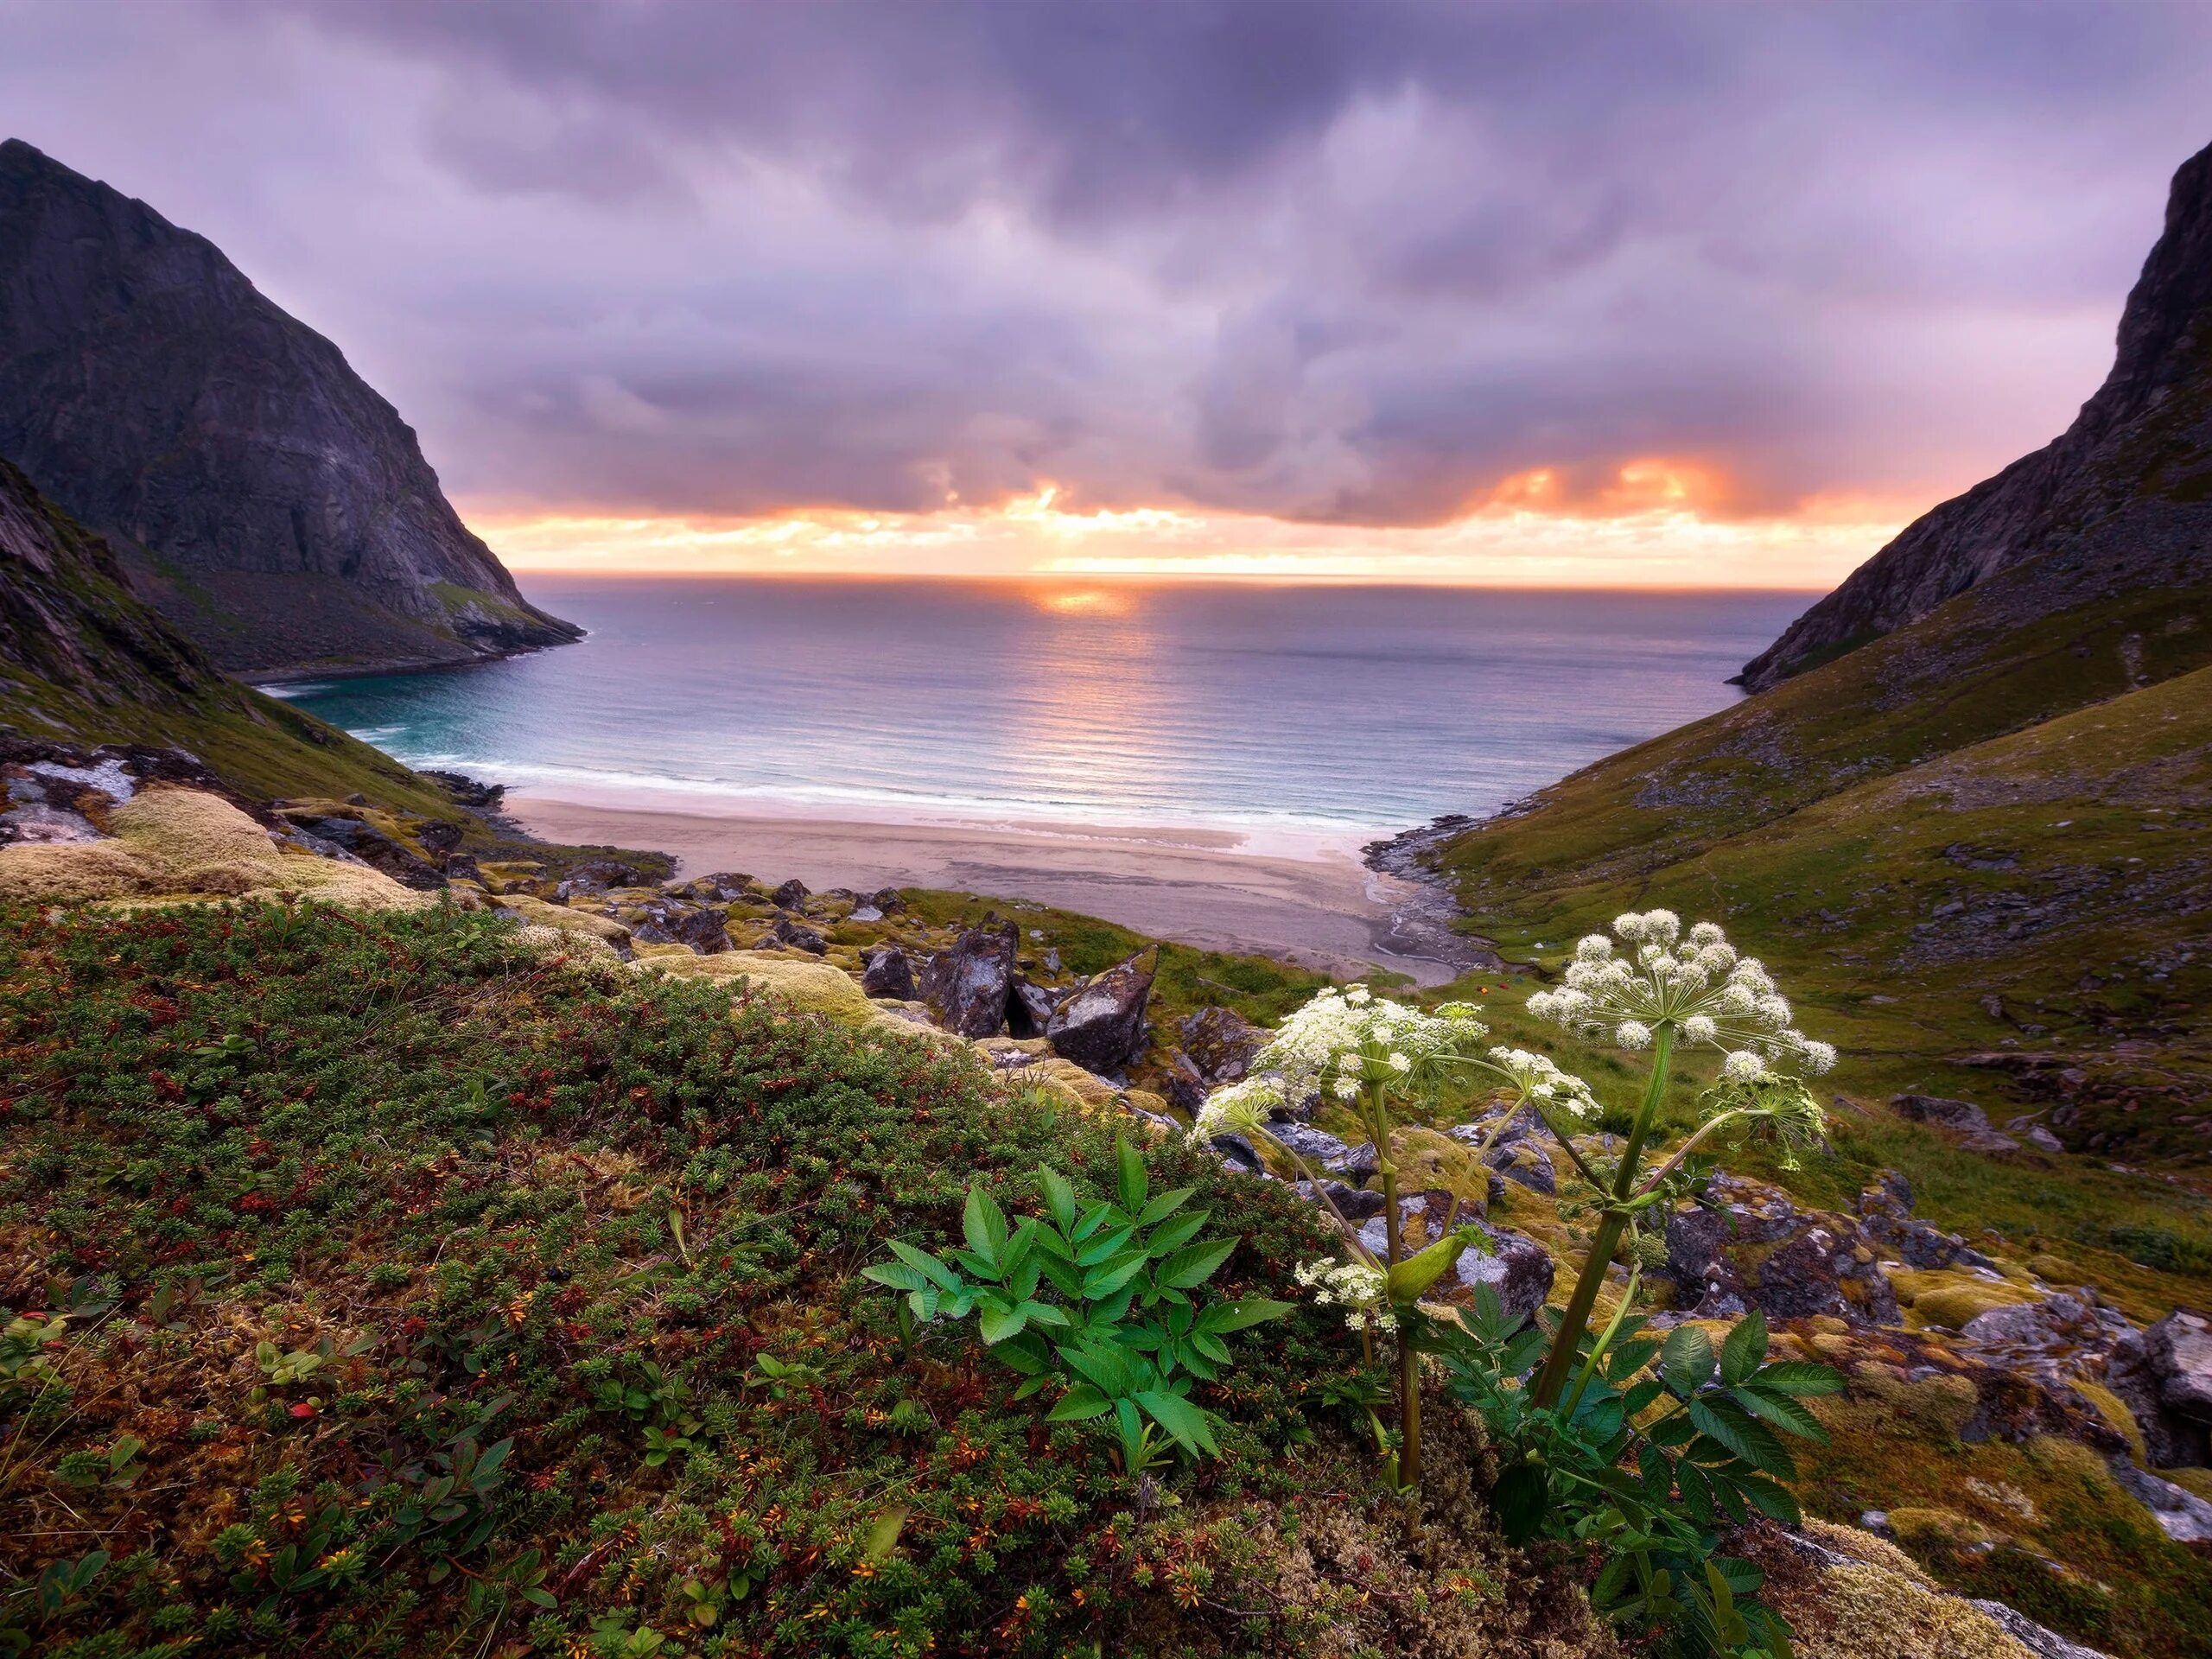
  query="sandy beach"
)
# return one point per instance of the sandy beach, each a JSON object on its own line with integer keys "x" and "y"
{"x": 1313, "y": 903}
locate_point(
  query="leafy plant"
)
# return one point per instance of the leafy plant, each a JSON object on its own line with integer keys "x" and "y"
{"x": 1104, "y": 1300}
{"x": 1657, "y": 1446}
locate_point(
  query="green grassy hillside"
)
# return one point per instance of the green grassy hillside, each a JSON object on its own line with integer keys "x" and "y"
{"x": 2024, "y": 921}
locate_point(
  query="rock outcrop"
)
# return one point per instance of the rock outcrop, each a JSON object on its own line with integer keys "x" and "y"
{"x": 1101, "y": 1025}
{"x": 266, "y": 500}
{"x": 2127, "y": 487}
{"x": 966, "y": 983}
{"x": 2165, "y": 1376}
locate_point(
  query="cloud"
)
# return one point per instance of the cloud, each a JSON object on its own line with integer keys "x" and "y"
{"x": 1349, "y": 263}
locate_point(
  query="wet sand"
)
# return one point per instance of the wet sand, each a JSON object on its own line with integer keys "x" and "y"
{"x": 1311, "y": 902}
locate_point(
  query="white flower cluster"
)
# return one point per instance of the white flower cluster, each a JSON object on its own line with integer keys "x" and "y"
{"x": 1344, "y": 1040}
{"x": 1238, "y": 1108}
{"x": 1711, "y": 995}
{"x": 1537, "y": 1079}
{"x": 1360, "y": 1290}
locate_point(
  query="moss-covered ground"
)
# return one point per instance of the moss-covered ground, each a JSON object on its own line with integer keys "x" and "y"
{"x": 424, "y": 1293}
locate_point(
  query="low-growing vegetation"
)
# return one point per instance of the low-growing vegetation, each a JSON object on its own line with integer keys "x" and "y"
{"x": 376, "y": 1283}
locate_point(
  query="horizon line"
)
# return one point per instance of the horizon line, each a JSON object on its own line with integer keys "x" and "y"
{"x": 1153, "y": 579}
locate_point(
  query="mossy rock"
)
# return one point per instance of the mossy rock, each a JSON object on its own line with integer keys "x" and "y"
{"x": 1942, "y": 1296}
{"x": 645, "y": 951}
{"x": 807, "y": 985}
{"x": 184, "y": 845}
{"x": 2114, "y": 1410}
{"x": 1932, "y": 1526}
{"x": 562, "y": 919}
{"x": 504, "y": 876}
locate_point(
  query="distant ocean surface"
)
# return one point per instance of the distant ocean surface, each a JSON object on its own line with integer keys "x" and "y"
{"x": 1298, "y": 709}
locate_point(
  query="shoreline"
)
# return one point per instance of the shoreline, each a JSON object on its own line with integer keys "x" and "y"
{"x": 1310, "y": 900}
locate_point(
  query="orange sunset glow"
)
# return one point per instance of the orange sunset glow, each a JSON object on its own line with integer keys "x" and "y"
{"x": 1653, "y": 522}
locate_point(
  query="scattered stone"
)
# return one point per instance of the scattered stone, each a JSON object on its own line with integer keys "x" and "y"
{"x": 1963, "y": 1114}
{"x": 1352, "y": 1202}
{"x": 889, "y": 973}
{"x": 597, "y": 875}
{"x": 1239, "y": 1153}
{"x": 1315, "y": 1145}
{"x": 1215, "y": 1047}
{"x": 2181, "y": 1513}
{"x": 1749, "y": 1246}
{"x": 2043, "y": 1141}
{"x": 866, "y": 914}
{"x": 965, "y": 984}
{"x": 791, "y": 895}
{"x": 378, "y": 850}
{"x": 2045, "y": 1644}
{"x": 888, "y": 900}
{"x": 1101, "y": 1025}
{"x": 667, "y": 921}
{"x": 789, "y": 933}
{"x": 2164, "y": 1374}
{"x": 1028, "y": 1008}
{"x": 1515, "y": 1266}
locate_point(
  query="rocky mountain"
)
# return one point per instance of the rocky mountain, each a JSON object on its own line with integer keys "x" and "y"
{"x": 261, "y": 495}
{"x": 84, "y": 664}
{"x": 2127, "y": 489}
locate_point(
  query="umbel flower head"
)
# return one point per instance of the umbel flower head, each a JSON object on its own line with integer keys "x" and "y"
{"x": 1361, "y": 1290}
{"x": 1698, "y": 984}
{"x": 1344, "y": 1040}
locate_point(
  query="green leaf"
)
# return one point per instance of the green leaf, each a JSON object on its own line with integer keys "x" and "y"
{"x": 1770, "y": 1497}
{"x": 1685, "y": 1362}
{"x": 1219, "y": 1319}
{"x": 1182, "y": 1419}
{"x": 1750, "y": 1439}
{"x": 1165, "y": 1205}
{"x": 1108, "y": 1277}
{"x": 1043, "y": 1314}
{"x": 1059, "y": 1195}
{"x": 1104, "y": 1245}
{"x": 1743, "y": 1348}
{"x": 1782, "y": 1411}
{"x": 984, "y": 1225}
{"x": 1171, "y": 1237}
{"x": 1800, "y": 1377}
{"x": 882, "y": 1535}
{"x": 1627, "y": 1358}
{"x": 1194, "y": 1264}
{"x": 997, "y": 1324}
{"x": 1133, "y": 1180}
{"x": 897, "y": 1275}
{"x": 1519, "y": 1500}
{"x": 1078, "y": 1404}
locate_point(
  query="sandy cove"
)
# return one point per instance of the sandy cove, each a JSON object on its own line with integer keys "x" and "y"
{"x": 1318, "y": 906}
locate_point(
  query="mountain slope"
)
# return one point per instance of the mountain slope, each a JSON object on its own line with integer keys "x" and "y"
{"x": 269, "y": 503}
{"x": 2127, "y": 488}
{"x": 82, "y": 661}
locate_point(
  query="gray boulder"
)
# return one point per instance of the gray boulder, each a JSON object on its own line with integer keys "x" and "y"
{"x": 790, "y": 935}
{"x": 1101, "y": 1024}
{"x": 790, "y": 896}
{"x": 966, "y": 984}
{"x": 2164, "y": 1375}
{"x": 1515, "y": 1266}
{"x": 667, "y": 922}
{"x": 889, "y": 974}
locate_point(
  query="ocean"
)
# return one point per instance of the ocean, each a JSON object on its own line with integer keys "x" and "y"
{"x": 1296, "y": 710}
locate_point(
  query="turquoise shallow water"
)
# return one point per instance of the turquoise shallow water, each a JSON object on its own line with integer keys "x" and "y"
{"x": 1321, "y": 709}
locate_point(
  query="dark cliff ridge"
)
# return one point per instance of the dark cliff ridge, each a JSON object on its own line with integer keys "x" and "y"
{"x": 2128, "y": 484}
{"x": 262, "y": 495}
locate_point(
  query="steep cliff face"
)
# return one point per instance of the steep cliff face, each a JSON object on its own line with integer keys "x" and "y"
{"x": 2125, "y": 493}
{"x": 264, "y": 498}
{"x": 84, "y": 662}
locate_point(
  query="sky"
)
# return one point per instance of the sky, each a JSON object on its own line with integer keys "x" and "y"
{"x": 1550, "y": 294}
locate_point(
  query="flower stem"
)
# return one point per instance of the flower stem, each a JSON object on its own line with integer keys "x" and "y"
{"x": 1552, "y": 1381}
